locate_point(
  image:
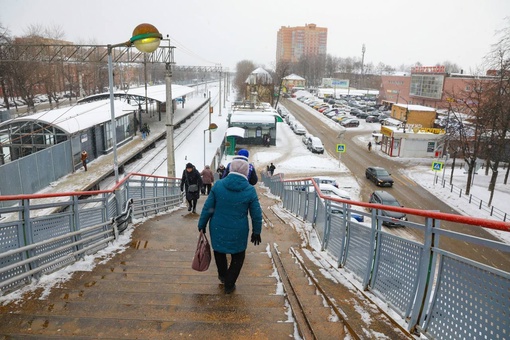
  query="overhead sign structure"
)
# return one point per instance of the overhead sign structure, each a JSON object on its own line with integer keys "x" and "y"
{"x": 340, "y": 148}
{"x": 437, "y": 166}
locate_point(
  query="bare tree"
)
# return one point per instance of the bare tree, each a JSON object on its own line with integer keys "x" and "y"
{"x": 243, "y": 70}
{"x": 282, "y": 69}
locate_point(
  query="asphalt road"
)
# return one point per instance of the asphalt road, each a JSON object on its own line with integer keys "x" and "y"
{"x": 408, "y": 193}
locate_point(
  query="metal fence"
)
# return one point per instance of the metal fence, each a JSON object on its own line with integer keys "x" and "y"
{"x": 43, "y": 233}
{"x": 36, "y": 171}
{"x": 472, "y": 199}
{"x": 440, "y": 294}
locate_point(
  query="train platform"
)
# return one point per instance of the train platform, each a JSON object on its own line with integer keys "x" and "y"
{"x": 102, "y": 167}
{"x": 149, "y": 291}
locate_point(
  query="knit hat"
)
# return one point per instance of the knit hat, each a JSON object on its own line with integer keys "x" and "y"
{"x": 189, "y": 166}
{"x": 240, "y": 166}
{"x": 243, "y": 153}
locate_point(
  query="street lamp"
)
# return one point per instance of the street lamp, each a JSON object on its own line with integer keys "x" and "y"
{"x": 211, "y": 127}
{"x": 146, "y": 39}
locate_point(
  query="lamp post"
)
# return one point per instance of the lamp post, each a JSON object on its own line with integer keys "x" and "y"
{"x": 211, "y": 127}
{"x": 146, "y": 38}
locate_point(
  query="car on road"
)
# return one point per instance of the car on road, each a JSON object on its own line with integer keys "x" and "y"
{"x": 385, "y": 198}
{"x": 380, "y": 176}
{"x": 350, "y": 122}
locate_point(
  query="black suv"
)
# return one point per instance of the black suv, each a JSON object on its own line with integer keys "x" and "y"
{"x": 384, "y": 198}
{"x": 379, "y": 176}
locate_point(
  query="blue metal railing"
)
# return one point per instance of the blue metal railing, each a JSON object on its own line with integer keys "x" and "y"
{"x": 43, "y": 233}
{"x": 438, "y": 293}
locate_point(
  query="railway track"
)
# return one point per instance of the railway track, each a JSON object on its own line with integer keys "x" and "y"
{"x": 157, "y": 157}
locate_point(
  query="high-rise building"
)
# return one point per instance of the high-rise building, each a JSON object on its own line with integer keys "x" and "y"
{"x": 294, "y": 42}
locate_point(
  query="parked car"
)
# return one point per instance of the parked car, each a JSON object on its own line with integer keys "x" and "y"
{"x": 299, "y": 129}
{"x": 306, "y": 138}
{"x": 326, "y": 180}
{"x": 331, "y": 109}
{"x": 350, "y": 122}
{"x": 315, "y": 145}
{"x": 338, "y": 209}
{"x": 379, "y": 176}
{"x": 331, "y": 191}
{"x": 372, "y": 119}
{"x": 385, "y": 198}
{"x": 363, "y": 115}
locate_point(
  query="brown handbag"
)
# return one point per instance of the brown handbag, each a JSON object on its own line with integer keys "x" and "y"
{"x": 202, "y": 257}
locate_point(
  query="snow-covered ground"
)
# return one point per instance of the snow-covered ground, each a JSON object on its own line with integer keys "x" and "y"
{"x": 291, "y": 157}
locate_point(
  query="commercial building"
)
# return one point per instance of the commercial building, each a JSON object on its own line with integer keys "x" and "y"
{"x": 428, "y": 86}
{"x": 294, "y": 42}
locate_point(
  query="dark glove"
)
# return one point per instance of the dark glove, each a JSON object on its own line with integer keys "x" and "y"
{"x": 255, "y": 239}
{"x": 203, "y": 230}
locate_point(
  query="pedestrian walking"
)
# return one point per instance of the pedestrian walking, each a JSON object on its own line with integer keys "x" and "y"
{"x": 226, "y": 210}
{"x": 143, "y": 130}
{"x": 243, "y": 154}
{"x": 207, "y": 180}
{"x": 272, "y": 167}
{"x": 220, "y": 170}
{"x": 84, "y": 159}
{"x": 191, "y": 182}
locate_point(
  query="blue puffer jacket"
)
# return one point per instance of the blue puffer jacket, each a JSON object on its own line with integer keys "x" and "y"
{"x": 226, "y": 210}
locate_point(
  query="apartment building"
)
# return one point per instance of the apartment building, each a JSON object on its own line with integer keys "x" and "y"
{"x": 294, "y": 42}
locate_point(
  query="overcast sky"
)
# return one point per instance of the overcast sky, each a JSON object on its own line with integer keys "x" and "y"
{"x": 395, "y": 32}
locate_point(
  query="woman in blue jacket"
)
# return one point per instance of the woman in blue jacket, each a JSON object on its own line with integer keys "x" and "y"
{"x": 226, "y": 209}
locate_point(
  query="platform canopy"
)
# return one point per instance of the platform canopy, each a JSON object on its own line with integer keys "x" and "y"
{"x": 156, "y": 92}
{"x": 77, "y": 117}
{"x": 235, "y": 131}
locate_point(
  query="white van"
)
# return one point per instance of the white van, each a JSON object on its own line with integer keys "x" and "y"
{"x": 315, "y": 145}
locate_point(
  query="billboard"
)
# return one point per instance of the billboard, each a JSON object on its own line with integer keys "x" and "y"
{"x": 427, "y": 85}
{"x": 333, "y": 82}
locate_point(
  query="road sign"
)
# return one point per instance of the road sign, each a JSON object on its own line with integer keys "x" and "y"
{"x": 340, "y": 148}
{"x": 437, "y": 166}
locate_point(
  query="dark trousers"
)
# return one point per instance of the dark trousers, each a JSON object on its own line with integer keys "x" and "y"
{"x": 84, "y": 162}
{"x": 229, "y": 273}
{"x": 192, "y": 204}
{"x": 207, "y": 189}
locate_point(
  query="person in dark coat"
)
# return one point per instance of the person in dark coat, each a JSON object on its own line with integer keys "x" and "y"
{"x": 272, "y": 167}
{"x": 243, "y": 154}
{"x": 220, "y": 171}
{"x": 226, "y": 210}
{"x": 191, "y": 181}
{"x": 207, "y": 179}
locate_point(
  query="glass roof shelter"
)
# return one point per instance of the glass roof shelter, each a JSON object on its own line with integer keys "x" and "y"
{"x": 87, "y": 126}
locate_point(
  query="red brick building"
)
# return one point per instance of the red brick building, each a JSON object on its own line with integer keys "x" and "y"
{"x": 428, "y": 86}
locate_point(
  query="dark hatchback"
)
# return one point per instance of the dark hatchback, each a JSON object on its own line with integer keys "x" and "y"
{"x": 379, "y": 176}
{"x": 384, "y": 198}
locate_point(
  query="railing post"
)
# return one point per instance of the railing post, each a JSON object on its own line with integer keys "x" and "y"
{"x": 373, "y": 248}
{"x": 76, "y": 223}
{"x": 425, "y": 278}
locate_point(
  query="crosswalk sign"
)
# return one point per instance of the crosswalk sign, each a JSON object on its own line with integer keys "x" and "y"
{"x": 437, "y": 166}
{"x": 340, "y": 148}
